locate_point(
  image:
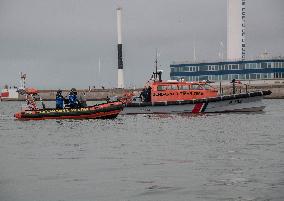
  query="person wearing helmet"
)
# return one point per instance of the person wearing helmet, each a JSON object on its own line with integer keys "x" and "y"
{"x": 59, "y": 100}
{"x": 73, "y": 101}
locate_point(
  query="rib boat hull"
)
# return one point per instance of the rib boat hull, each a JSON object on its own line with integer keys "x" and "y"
{"x": 102, "y": 111}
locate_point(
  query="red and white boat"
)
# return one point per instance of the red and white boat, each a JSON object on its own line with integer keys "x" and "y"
{"x": 11, "y": 93}
{"x": 190, "y": 97}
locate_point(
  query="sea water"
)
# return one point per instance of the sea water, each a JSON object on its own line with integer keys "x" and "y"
{"x": 234, "y": 157}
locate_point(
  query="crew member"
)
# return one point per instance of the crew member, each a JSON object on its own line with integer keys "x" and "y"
{"x": 73, "y": 101}
{"x": 148, "y": 96}
{"x": 143, "y": 94}
{"x": 82, "y": 100}
{"x": 59, "y": 100}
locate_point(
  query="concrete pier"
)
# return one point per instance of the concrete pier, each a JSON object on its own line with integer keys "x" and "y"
{"x": 102, "y": 94}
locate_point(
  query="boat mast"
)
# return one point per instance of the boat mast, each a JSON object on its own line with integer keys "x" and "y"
{"x": 157, "y": 75}
{"x": 156, "y": 63}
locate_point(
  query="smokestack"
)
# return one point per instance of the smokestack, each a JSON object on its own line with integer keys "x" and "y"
{"x": 236, "y": 14}
{"x": 120, "y": 79}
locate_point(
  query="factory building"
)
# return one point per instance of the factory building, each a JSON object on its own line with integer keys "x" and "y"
{"x": 236, "y": 66}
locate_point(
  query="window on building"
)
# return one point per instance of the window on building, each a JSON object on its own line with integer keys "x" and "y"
{"x": 185, "y": 68}
{"x": 225, "y": 77}
{"x": 247, "y": 77}
{"x": 214, "y": 77}
{"x": 263, "y": 75}
{"x": 242, "y": 76}
{"x": 203, "y": 68}
{"x": 235, "y": 67}
{"x": 211, "y": 68}
{"x": 253, "y": 66}
{"x": 242, "y": 66}
{"x": 263, "y": 65}
{"x": 269, "y": 65}
{"x": 252, "y": 76}
{"x": 203, "y": 77}
{"x": 235, "y": 76}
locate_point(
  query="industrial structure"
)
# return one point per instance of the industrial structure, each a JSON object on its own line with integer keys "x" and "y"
{"x": 236, "y": 66}
{"x": 120, "y": 76}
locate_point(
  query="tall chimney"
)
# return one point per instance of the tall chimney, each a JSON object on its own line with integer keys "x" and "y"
{"x": 120, "y": 77}
{"x": 236, "y": 15}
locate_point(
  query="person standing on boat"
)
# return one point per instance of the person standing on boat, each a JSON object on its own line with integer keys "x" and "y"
{"x": 73, "y": 101}
{"x": 59, "y": 100}
{"x": 143, "y": 94}
{"x": 148, "y": 94}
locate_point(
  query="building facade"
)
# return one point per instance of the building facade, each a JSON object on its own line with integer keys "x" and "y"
{"x": 259, "y": 69}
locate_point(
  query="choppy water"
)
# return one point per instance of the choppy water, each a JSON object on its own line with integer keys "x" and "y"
{"x": 230, "y": 157}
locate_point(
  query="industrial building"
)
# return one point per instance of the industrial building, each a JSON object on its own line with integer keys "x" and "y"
{"x": 236, "y": 66}
{"x": 228, "y": 70}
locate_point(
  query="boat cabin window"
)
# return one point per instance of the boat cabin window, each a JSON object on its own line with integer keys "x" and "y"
{"x": 184, "y": 87}
{"x": 206, "y": 86}
{"x": 167, "y": 87}
{"x": 163, "y": 87}
{"x": 174, "y": 87}
{"x": 196, "y": 87}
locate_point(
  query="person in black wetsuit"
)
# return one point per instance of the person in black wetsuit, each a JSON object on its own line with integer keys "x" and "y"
{"x": 148, "y": 94}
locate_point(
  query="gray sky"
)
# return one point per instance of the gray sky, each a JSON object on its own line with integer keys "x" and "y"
{"x": 58, "y": 42}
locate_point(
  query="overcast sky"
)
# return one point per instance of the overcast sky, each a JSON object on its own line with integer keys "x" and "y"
{"x": 58, "y": 43}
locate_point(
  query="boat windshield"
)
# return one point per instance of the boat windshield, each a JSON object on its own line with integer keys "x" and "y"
{"x": 196, "y": 87}
{"x": 206, "y": 86}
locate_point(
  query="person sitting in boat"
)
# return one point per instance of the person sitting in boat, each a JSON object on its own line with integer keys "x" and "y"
{"x": 59, "y": 100}
{"x": 82, "y": 100}
{"x": 73, "y": 101}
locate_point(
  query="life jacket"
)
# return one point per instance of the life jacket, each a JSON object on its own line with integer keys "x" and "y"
{"x": 59, "y": 101}
{"x": 73, "y": 100}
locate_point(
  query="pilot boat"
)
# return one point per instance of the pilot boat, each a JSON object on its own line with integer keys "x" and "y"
{"x": 190, "y": 97}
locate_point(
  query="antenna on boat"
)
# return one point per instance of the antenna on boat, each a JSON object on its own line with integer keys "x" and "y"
{"x": 157, "y": 75}
{"x": 156, "y": 61}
